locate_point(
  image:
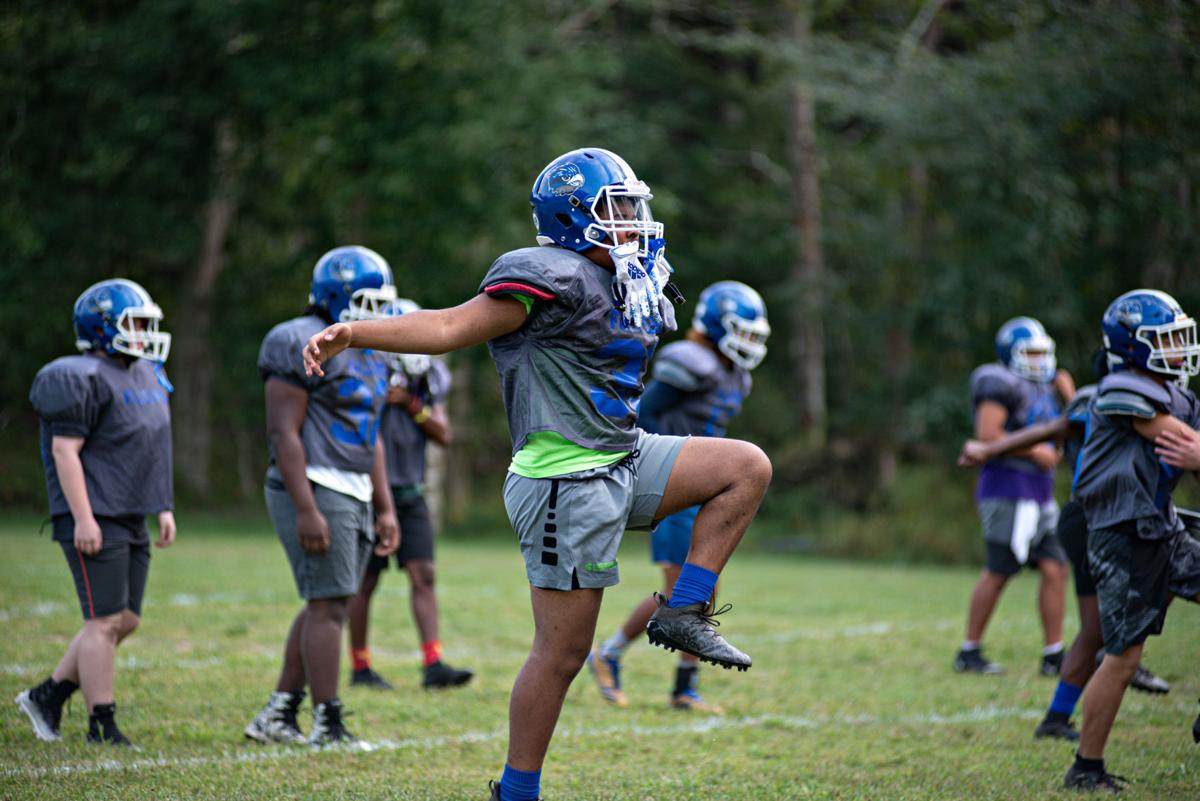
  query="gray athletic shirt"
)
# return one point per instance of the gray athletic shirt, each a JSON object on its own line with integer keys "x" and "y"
{"x": 403, "y": 440}
{"x": 123, "y": 416}
{"x": 713, "y": 390}
{"x": 344, "y": 406}
{"x": 1120, "y": 478}
{"x": 574, "y": 367}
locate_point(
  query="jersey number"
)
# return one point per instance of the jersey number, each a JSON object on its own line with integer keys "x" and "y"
{"x": 626, "y": 382}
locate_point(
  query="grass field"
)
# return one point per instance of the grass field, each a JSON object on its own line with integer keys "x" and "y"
{"x": 851, "y": 695}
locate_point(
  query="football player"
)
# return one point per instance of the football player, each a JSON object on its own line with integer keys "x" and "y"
{"x": 1142, "y": 436}
{"x": 571, "y": 325}
{"x": 1015, "y": 492}
{"x": 327, "y": 471}
{"x": 1079, "y": 662}
{"x": 106, "y": 447}
{"x": 697, "y": 386}
{"x": 415, "y": 413}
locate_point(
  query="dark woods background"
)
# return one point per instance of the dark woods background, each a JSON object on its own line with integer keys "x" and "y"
{"x": 897, "y": 178}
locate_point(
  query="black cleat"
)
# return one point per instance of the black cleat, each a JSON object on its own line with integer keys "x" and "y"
{"x": 439, "y": 675}
{"x": 369, "y": 678}
{"x": 328, "y": 728}
{"x": 1056, "y": 729}
{"x": 43, "y": 706}
{"x": 1196, "y": 730}
{"x": 691, "y": 629}
{"x": 1094, "y": 780}
{"x": 973, "y": 661}
{"x": 494, "y": 786}
{"x": 1051, "y": 664}
{"x": 1145, "y": 681}
{"x": 102, "y": 727}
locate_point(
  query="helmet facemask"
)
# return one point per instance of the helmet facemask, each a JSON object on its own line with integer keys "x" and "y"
{"x": 620, "y": 209}
{"x": 146, "y": 341}
{"x": 370, "y": 304}
{"x": 1033, "y": 358}
{"x": 745, "y": 341}
{"x": 1176, "y": 342}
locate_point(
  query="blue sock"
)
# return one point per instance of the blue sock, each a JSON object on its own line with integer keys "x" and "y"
{"x": 695, "y": 585}
{"x": 1065, "y": 698}
{"x": 520, "y": 785}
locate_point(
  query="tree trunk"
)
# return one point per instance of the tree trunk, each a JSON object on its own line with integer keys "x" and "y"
{"x": 808, "y": 271}
{"x": 193, "y": 363}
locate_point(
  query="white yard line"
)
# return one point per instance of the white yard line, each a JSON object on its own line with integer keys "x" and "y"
{"x": 702, "y": 726}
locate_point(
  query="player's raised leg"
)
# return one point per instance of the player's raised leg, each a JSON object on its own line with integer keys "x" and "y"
{"x": 728, "y": 478}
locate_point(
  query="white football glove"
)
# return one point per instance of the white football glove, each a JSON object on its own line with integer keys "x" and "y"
{"x": 636, "y": 291}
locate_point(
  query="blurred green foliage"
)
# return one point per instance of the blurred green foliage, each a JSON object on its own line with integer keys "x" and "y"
{"x": 977, "y": 161}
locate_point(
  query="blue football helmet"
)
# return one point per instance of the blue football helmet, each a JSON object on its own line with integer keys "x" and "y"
{"x": 410, "y": 364}
{"x": 588, "y": 198}
{"x": 1148, "y": 329}
{"x": 352, "y": 283}
{"x": 118, "y": 316}
{"x": 1025, "y": 348}
{"x": 734, "y": 318}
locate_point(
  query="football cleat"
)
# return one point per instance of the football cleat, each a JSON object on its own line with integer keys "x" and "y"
{"x": 440, "y": 675}
{"x": 691, "y": 700}
{"x": 38, "y": 703}
{"x": 277, "y": 723}
{"x": 328, "y": 729}
{"x": 1051, "y": 664}
{"x": 607, "y": 674}
{"x": 1056, "y": 729}
{"x": 1145, "y": 681}
{"x": 1196, "y": 730}
{"x": 369, "y": 678}
{"x": 691, "y": 629}
{"x": 1094, "y": 780}
{"x": 102, "y": 727}
{"x": 973, "y": 661}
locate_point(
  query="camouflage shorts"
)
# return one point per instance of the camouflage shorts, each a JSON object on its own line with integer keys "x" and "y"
{"x": 1135, "y": 578}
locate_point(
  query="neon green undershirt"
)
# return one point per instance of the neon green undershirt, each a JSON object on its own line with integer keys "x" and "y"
{"x": 546, "y": 454}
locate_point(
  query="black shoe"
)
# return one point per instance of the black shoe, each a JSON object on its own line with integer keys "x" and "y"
{"x": 102, "y": 727}
{"x": 1056, "y": 729}
{"x": 1094, "y": 780}
{"x": 328, "y": 728}
{"x": 1052, "y": 664}
{"x": 972, "y": 661}
{"x": 1147, "y": 682}
{"x": 439, "y": 675}
{"x": 43, "y": 705}
{"x": 1196, "y": 730}
{"x": 369, "y": 678}
{"x": 692, "y": 629}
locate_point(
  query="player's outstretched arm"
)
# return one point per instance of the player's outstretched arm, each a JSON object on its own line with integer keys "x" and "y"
{"x": 432, "y": 331}
{"x": 975, "y": 452}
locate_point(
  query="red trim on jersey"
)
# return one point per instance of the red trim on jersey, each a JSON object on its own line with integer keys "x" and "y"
{"x": 513, "y": 286}
{"x": 87, "y": 584}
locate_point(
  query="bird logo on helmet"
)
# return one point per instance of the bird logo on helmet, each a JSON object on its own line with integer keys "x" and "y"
{"x": 119, "y": 316}
{"x": 1148, "y": 329}
{"x": 352, "y": 283}
{"x": 1024, "y": 347}
{"x": 734, "y": 318}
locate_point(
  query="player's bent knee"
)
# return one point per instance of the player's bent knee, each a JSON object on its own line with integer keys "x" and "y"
{"x": 129, "y": 623}
{"x": 109, "y": 626}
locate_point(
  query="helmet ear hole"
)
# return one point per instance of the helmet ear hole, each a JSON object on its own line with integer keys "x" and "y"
{"x": 563, "y": 220}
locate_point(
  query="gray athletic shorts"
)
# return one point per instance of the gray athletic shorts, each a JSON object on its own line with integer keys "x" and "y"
{"x": 570, "y": 526}
{"x": 1019, "y": 532}
{"x": 339, "y": 572}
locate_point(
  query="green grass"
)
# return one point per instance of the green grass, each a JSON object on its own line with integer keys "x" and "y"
{"x": 851, "y": 695}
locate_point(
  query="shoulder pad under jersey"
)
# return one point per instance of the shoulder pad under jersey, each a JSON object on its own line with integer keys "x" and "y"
{"x": 687, "y": 366}
{"x": 1131, "y": 394}
{"x": 66, "y": 392}
{"x": 1077, "y": 409}
{"x": 995, "y": 382}
{"x": 542, "y": 273}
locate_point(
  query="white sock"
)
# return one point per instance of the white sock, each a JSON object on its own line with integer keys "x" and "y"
{"x": 970, "y": 645}
{"x": 614, "y": 645}
{"x": 1051, "y": 650}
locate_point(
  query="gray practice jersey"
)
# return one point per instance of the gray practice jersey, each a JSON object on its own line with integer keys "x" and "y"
{"x": 575, "y": 367}
{"x": 344, "y": 405}
{"x": 1120, "y": 478}
{"x": 713, "y": 391}
{"x": 403, "y": 440}
{"x": 1027, "y": 402}
{"x": 123, "y": 416}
